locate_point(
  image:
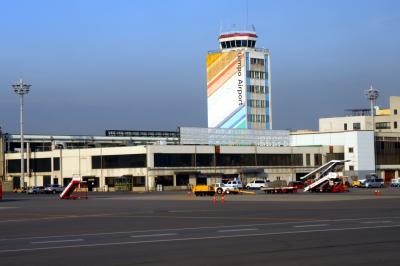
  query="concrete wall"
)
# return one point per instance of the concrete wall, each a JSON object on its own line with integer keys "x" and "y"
{"x": 362, "y": 143}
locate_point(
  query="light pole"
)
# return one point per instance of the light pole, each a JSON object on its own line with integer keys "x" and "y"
{"x": 372, "y": 94}
{"x": 21, "y": 89}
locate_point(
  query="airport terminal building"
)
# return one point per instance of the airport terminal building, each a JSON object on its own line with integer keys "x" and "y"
{"x": 109, "y": 164}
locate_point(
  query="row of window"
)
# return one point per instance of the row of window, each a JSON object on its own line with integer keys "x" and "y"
{"x": 256, "y": 103}
{"x": 387, "y": 152}
{"x": 178, "y": 160}
{"x": 257, "y": 89}
{"x": 35, "y": 165}
{"x": 210, "y": 160}
{"x": 238, "y": 43}
{"x": 256, "y": 74}
{"x": 252, "y": 118}
{"x": 257, "y": 61}
{"x": 378, "y": 125}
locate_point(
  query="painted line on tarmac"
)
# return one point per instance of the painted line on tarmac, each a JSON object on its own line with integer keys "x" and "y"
{"x": 57, "y": 241}
{"x": 190, "y": 211}
{"x": 310, "y": 225}
{"x": 197, "y": 228}
{"x": 237, "y": 230}
{"x": 8, "y": 207}
{"x": 155, "y": 235}
{"x": 55, "y": 218}
{"x": 200, "y": 238}
{"x": 377, "y": 222}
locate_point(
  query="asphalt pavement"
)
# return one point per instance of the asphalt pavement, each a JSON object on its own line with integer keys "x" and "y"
{"x": 175, "y": 228}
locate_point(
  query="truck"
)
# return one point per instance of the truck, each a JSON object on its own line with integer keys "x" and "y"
{"x": 203, "y": 190}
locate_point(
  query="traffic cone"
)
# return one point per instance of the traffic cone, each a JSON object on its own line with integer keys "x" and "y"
{"x": 223, "y": 198}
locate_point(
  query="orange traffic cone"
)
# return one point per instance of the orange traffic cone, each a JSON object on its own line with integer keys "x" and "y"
{"x": 223, "y": 198}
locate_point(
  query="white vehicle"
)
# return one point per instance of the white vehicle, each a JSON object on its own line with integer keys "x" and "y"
{"x": 257, "y": 184}
{"x": 222, "y": 188}
{"x": 237, "y": 184}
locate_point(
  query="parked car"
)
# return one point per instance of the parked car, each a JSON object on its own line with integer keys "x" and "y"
{"x": 53, "y": 189}
{"x": 395, "y": 182}
{"x": 222, "y": 188}
{"x": 296, "y": 184}
{"x": 372, "y": 181}
{"x": 257, "y": 184}
{"x": 237, "y": 184}
{"x": 35, "y": 190}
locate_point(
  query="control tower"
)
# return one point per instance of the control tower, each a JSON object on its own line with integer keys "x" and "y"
{"x": 239, "y": 83}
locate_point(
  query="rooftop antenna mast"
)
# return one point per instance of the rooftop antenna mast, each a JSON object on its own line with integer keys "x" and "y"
{"x": 247, "y": 14}
{"x": 372, "y": 95}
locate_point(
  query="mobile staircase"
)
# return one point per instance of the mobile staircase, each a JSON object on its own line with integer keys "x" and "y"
{"x": 326, "y": 179}
{"x": 76, "y": 189}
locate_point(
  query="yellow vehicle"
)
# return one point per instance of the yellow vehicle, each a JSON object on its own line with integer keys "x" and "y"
{"x": 356, "y": 183}
{"x": 203, "y": 190}
{"x": 19, "y": 190}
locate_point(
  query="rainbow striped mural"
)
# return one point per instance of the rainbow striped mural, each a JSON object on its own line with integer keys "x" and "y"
{"x": 226, "y": 89}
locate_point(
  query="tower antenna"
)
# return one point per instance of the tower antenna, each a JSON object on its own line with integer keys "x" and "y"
{"x": 247, "y": 13}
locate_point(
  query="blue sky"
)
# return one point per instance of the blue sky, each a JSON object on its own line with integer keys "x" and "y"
{"x": 97, "y": 65}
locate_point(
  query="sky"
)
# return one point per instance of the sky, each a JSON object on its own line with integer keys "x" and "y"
{"x": 140, "y": 65}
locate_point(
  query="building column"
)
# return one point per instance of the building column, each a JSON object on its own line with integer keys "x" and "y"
{"x": 151, "y": 186}
{"x": 396, "y": 174}
{"x": 174, "y": 180}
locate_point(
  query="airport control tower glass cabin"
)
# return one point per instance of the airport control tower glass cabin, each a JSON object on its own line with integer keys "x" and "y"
{"x": 239, "y": 83}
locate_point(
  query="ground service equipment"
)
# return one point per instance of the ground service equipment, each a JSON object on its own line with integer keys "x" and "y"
{"x": 326, "y": 178}
{"x": 203, "y": 190}
{"x": 74, "y": 185}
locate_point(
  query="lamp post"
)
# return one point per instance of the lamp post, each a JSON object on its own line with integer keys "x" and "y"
{"x": 372, "y": 94}
{"x": 21, "y": 89}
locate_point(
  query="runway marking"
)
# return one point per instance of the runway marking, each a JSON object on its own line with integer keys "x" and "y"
{"x": 199, "y": 238}
{"x": 198, "y": 228}
{"x": 376, "y": 222}
{"x": 155, "y": 235}
{"x": 55, "y": 218}
{"x": 7, "y": 207}
{"x": 237, "y": 230}
{"x": 190, "y": 211}
{"x": 58, "y": 241}
{"x": 310, "y": 225}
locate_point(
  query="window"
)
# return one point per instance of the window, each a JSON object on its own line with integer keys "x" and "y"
{"x": 356, "y": 126}
{"x": 382, "y": 125}
{"x": 244, "y": 43}
{"x": 351, "y": 149}
{"x": 351, "y": 167}
{"x": 233, "y": 44}
{"x": 308, "y": 159}
{"x": 56, "y": 163}
{"x": 345, "y": 126}
{"x": 182, "y": 180}
{"x": 395, "y": 111}
{"x": 317, "y": 159}
{"x": 395, "y": 125}
{"x": 223, "y": 45}
{"x": 138, "y": 181}
{"x": 228, "y": 44}
{"x": 238, "y": 43}
{"x": 35, "y": 165}
{"x": 173, "y": 160}
{"x": 119, "y": 161}
{"x": 279, "y": 159}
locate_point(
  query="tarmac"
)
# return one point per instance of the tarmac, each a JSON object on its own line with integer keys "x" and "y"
{"x": 176, "y": 228}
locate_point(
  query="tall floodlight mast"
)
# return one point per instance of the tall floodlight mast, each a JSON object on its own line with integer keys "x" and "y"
{"x": 21, "y": 89}
{"x": 372, "y": 95}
